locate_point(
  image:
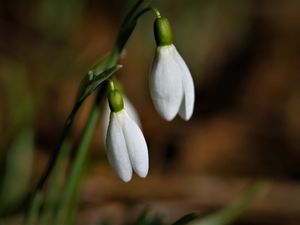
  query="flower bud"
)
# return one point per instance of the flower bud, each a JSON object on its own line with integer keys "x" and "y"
{"x": 163, "y": 32}
{"x": 115, "y": 100}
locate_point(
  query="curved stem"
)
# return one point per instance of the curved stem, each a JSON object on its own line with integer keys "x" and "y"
{"x": 76, "y": 170}
{"x": 62, "y": 146}
{"x": 64, "y": 143}
{"x": 148, "y": 9}
{"x": 110, "y": 84}
{"x": 65, "y": 211}
{"x": 131, "y": 12}
{"x": 156, "y": 12}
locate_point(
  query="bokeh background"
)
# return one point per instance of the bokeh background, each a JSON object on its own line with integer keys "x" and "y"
{"x": 245, "y": 60}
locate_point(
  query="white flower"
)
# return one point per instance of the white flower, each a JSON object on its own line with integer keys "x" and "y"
{"x": 129, "y": 108}
{"x": 171, "y": 84}
{"x": 126, "y": 146}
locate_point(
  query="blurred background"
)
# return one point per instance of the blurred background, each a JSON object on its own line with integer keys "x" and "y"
{"x": 245, "y": 60}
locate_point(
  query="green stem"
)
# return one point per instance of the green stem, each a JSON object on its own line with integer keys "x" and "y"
{"x": 114, "y": 57}
{"x": 77, "y": 166}
{"x": 64, "y": 144}
{"x": 233, "y": 210}
{"x": 74, "y": 179}
{"x": 62, "y": 149}
{"x": 74, "y": 203}
{"x": 155, "y": 10}
{"x": 55, "y": 185}
{"x": 131, "y": 12}
{"x": 34, "y": 210}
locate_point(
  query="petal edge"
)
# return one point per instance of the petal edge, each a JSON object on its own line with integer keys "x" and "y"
{"x": 188, "y": 101}
{"x": 136, "y": 147}
{"x": 116, "y": 149}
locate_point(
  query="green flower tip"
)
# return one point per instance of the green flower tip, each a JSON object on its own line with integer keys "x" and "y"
{"x": 163, "y": 31}
{"x": 115, "y": 100}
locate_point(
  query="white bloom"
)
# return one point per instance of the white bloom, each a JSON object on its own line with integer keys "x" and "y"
{"x": 171, "y": 84}
{"x": 129, "y": 108}
{"x": 126, "y": 146}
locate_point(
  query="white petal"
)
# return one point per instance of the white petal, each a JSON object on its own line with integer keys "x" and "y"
{"x": 187, "y": 105}
{"x": 166, "y": 83}
{"x": 116, "y": 148}
{"x": 129, "y": 109}
{"x": 136, "y": 146}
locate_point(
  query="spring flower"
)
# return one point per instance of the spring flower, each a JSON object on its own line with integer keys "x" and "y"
{"x": 126, "y": 146}
{"x": 129, "y": 108}
{"x": 171, "y": 84}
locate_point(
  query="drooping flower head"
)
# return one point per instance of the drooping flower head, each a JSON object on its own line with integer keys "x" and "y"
{"x": 171, "y": 84}
{"x": 126, "y": 146}
{"x": 128, "y": 107}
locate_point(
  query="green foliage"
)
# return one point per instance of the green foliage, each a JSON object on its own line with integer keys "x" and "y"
{"x": 186, "y": 219}
{"x": 16, "y": 180}
{"x": 64, "y": 210}
{"x": 16, "y": 168}
{"x": 33, "y": 213}
{"x": 93, "y": 80}
{"x": 233, "y": 210}
{"x": 148, "y": 218}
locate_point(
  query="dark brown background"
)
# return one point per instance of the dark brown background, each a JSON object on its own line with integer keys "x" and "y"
{"x": 245, "y": 60}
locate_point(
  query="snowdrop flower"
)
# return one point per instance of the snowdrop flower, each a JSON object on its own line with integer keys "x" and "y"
{"x": 171, "y": 84}
{"x": 129, "y": 108}
{"x": 126, "y": 146}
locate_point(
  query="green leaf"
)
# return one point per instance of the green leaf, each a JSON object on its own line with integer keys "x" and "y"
{"x": 33, "y": 213}
{"x": 55, "y": 185}
{"x": 231, "y": 212}
{"x": 143, "y": 217}
{"x": 156, "y": 220}
{"x": 91, "y": 81}
{"x": 76, "y": 171}
{"x": 17, "y": 140}
{"x": 138, "y": 7}
{"x": 148, "y": 218}
{"x": 130, "y": 22}
{"x": 100, "y": 72}
{"x": 16, "y": 182}
{"x": 125, "y": 33}
{"x": 101, "y": 65}
{"x": 186, "y": 219}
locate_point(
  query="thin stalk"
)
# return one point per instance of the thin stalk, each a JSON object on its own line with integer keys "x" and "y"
{"x": 64, "y": 143}
{"x": 34, "y": 210}
{"x": 54, "y": 189}
{"x": 233, "y": 210}
{"x": 74, "y": 204}
{"x": 131, "y": 12}
{"x": 63, "y": 146}
{"x": 80, "y": 158}
{"x": 114, "y": 57}
{"x": 79, "y": 162}
{"x": 62, "y": 149}
{"x": 148, "y": 9}
{"x": 65, "y": 213}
